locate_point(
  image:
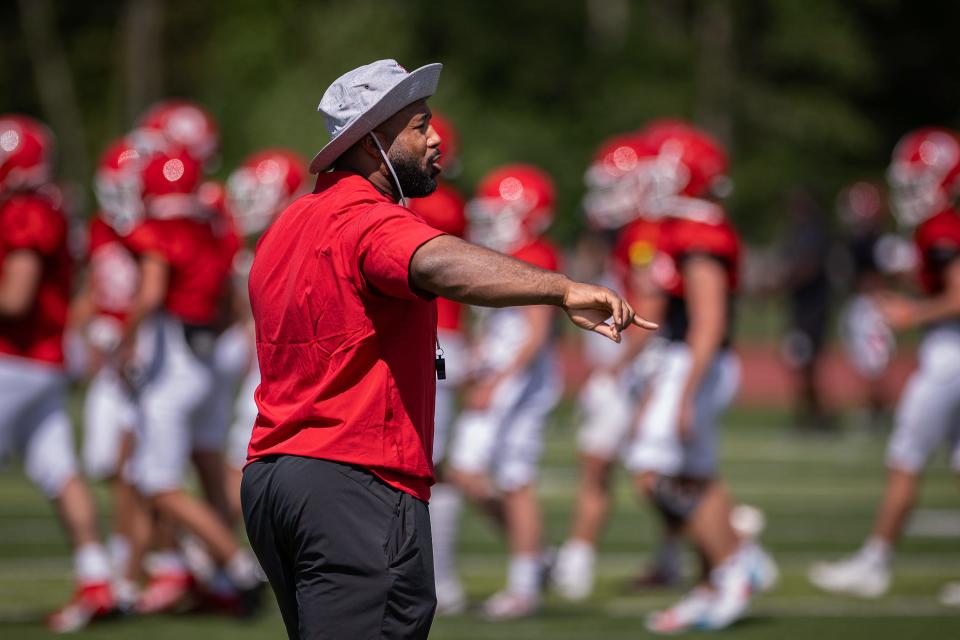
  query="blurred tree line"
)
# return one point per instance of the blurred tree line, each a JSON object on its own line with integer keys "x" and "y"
{"x": 811, "y": 93}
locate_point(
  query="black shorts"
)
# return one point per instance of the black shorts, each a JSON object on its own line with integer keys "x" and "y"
{"x": 347, "y": 555}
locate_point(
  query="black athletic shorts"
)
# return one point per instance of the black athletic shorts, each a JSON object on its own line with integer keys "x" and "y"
{"x": 347, "y": 555}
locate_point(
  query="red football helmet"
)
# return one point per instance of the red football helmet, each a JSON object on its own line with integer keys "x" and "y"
{"x": 443, "y": 209}
{"x": 26, "y": 153}
{"x": 449, "y": 144}
{"x": 263, "y": 186}
{"x": 614, "y": 180}
{"x": 690, "y": 167}
{"x": 512, "y": 206}
{"x": 117, "y": 185}
{"x": 924, "y": 174}
{"x": 168, "y": 183}
{"x": 182, "y": 124}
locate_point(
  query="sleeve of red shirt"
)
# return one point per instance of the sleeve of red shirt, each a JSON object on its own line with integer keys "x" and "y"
{"x": 34, "y": 225}
{"x": 389, "y": 235}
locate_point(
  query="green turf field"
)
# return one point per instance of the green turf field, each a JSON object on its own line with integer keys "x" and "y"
{"x": 818, "y": 494}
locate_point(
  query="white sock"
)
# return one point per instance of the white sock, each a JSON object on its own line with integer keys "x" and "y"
{"x": 523, "y": 574}
{"x": 118, "y": 547}
{"x": 91, "y": 563}
{"x": 877, "y": 550}
{"x": 243, "y": 570}
{"x": 446, "y": 502}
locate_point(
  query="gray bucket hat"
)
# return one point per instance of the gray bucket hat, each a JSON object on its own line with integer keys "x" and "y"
{"x": 360, "y": 100}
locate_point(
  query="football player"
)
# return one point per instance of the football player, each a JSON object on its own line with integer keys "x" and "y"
{"x": 35, "y": 280}
{"x": 98, "y": 313}
{"x": 924, "y": 178}
{"x": 166, "y": 352}
{"x": 498, "y": 438}
{"x": 618, "y": 374}
{"x": 674, "y": 456}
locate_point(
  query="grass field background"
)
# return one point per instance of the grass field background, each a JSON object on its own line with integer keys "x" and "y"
{"x": 819, "y": 495}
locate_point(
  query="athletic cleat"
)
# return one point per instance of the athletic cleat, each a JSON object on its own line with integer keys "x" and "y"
{"x": 855, "y": 576}
{"x": 950, "y": 594}
{"x": 684, "y": 615}
{"x": 510, "y": 606}
{"x": 89, "y": 602}
{"x": 166, "y": 592}
{"x": 731, "y": 600}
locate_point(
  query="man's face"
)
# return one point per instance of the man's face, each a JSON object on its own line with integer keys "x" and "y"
{"x": 415, "y": 151}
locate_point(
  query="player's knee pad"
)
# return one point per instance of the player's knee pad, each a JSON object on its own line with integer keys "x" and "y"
{"x": 676, "y": 499}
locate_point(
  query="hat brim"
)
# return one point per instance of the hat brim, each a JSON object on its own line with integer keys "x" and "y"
{"x": 419, "y": 84}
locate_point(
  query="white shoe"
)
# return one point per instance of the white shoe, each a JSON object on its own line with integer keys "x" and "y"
{"x": 684, "y": 615}
{"x": 761, "y": 567}
{"x": 451, "y": 600}
{"x": 856, "y": 576}
{"x": 505, "y": 605}
{"x": 950, "y": 594}
{"x": 572, "y": 575}
{"x": 731, "y": 600}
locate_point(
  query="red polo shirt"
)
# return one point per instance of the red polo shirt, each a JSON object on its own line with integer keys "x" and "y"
{"x": 346, "y": 347}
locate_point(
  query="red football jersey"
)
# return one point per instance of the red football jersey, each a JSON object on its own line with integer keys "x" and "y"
{"x": 635, "y": 248}
{"x": 938, "y": 243}
{"x": 113, "y": 272}
{"x": 198, "y": 270}
{"x": 681, "y": 239}
{"x": 30, "y": 222}
{"x": 444, "y": 210}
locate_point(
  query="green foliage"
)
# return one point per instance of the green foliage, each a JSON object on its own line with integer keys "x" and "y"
{"x": 810, "y": 92}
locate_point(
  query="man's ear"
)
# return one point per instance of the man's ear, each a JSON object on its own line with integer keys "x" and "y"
{"x": 369, "y": 146}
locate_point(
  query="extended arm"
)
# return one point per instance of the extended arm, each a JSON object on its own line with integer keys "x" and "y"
{"x": 904, "y": 313}
{"x": 460, "y": 271}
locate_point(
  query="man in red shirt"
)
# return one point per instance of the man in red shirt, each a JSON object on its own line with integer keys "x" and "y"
{"x": 342, "y": 288}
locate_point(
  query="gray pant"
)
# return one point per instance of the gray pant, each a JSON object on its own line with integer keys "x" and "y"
{"x": 347, "y": 555}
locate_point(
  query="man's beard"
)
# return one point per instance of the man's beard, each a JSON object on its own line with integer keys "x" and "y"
{"x": 415, "y": 181}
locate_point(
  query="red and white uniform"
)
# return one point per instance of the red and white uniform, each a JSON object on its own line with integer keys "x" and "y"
{"x": 444, "y": 210}
{"x": 926, "y": 413}
{"x": 110, "y": 410}
{"x": 607, "y": 403}
{"x": 175, "y": 346}
{"x": 33, "y": 420}
{"x": 657, "y": 446}
{"x": 506, "y": 439}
